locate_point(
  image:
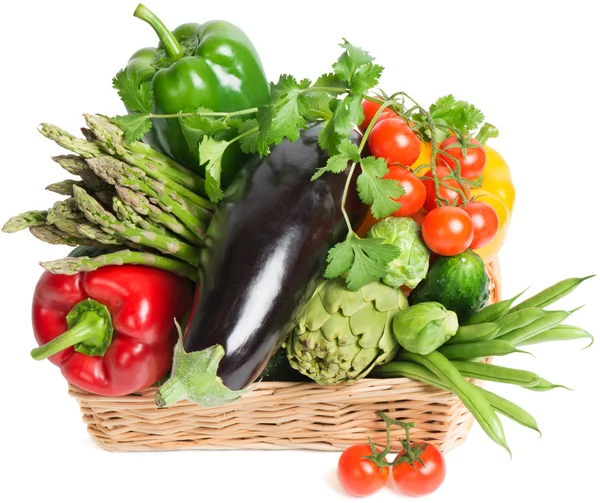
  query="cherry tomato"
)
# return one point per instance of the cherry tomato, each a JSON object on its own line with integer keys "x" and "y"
{"x": 370, "y": 109}
{"x": 360, "y": 476}
{"x": 447, "y": 230}
{"x": 450, "y": 195}
{"x": 414, "y": 190}
{"x": 421, "y": 479}
{"x": 489, "y": 251}
{"x": 472, "y": 166}
{"x": 393, "y": 140}
{"x": 485, "y": 223}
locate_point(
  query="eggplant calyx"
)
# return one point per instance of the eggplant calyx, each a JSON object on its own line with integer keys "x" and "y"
{"x": 194, "y": 378}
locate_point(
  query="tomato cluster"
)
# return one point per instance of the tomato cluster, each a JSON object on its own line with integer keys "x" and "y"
{"x": 452, "y": 216}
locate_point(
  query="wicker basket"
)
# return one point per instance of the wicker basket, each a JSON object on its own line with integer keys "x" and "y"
{"x": 282, "y": 415}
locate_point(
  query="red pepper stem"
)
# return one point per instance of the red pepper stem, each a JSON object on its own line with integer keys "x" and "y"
{"x": 90, "y": 331}
{"x": 167, "y": 39}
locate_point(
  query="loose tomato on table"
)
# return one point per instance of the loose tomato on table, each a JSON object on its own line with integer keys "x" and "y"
{"x": 359, "y": 471}
{"x": 450, "y": 191}
{"x": 447, "y": 230}
{"x": 414, "y": 191}
{"x": 423, "y": 476}
{"x": 393, "y": 140}
{"x": 471, "y": 165}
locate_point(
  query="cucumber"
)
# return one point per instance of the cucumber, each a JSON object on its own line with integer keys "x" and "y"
{"x": 460, "y": 283}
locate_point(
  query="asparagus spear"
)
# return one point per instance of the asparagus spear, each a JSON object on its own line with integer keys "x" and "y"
{"x": 25, "y": 220}
{"x": 73, "y": 164}
{"x": 74, "y": 265}
{"x": 127, "y": 214}
{"x": 95, "y": 213}
{"x": 53, "y": 235}
{"x": 66, "y": 140}
{"x": 139, "y": 154}
{"x": 64, "y": 188}
{"x": 97, "y": 235}
{"x": 142, "y": 206}
{"x": 118, "y": 173}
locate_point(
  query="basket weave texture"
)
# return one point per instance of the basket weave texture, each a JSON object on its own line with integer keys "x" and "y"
{"x": 283, "y": 415}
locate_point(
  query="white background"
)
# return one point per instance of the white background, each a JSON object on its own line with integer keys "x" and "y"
{"x": 530, "y": 66}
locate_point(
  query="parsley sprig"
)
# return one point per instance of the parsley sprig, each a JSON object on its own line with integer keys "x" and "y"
{"x": 334, "y": 98}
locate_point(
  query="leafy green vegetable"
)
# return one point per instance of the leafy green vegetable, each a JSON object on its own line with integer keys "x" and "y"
{"x": 424, "y": 327}
{"x": 413, "y": 262}
{"x": 135, "y": 93}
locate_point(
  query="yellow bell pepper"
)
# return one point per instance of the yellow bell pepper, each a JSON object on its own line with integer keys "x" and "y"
{"x": 497, "y": 179}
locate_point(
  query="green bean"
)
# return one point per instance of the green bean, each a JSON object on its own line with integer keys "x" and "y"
{"x": 469, "y": 395}
{"x": 510, "y": 410}
{"x": 489, "y": 372}
{"x": 483, "y": 349}
{"x": 473, "y": 333}
{"x": 559, "y": 333}
{"x": 419, "y": 373}
{"x": 492, "y": 312}
{"x": 537, "y": 326}
{"x": 550, "y": 294}
{"x": 520, "y": 319}
{"x": 545, "y": 385}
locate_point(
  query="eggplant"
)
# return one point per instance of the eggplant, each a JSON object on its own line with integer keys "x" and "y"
{"x": 266, "y": 248}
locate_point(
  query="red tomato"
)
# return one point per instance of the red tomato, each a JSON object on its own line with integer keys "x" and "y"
{"x": 452, "y": 196}
{"x": 414, "y": 190}
{"x": 421, "y": 479}
{"x": 393, "y": 140}
{"x": 360, "y": 476}
{"x": 472, "y": 166}
{"x": 485, "y": 223}
{"x": 370, "y": 109}
{"x": 447, "y": 230}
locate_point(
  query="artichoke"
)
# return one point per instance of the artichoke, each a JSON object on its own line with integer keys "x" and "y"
{"x": 341, "y": 335}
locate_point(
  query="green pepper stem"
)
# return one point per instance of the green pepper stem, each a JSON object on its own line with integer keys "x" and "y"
{"x": 170, "y": 44}
{"x": 90, "y": 331}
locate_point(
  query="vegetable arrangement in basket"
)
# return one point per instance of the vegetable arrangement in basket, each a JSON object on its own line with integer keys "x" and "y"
{"x": 333, "y": 232}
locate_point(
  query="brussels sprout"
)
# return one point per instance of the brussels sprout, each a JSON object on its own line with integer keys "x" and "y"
{"x": 413, "y": 262}
{"x": 424, "y": 327}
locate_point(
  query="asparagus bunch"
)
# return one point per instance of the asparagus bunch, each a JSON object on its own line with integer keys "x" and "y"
{"x": 139, "y": 204}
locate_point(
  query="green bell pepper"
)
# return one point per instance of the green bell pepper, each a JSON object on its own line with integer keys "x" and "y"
{"x": 211, "y": 65}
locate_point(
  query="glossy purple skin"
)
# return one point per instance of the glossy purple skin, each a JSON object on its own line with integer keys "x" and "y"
{"x": 267, "y": 247}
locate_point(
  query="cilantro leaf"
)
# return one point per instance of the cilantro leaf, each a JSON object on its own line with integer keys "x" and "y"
{"x": 330, "y": 80}
{"x": 134, "y": 125}
{"x": 206, "y": 124}
{"x": 365, "y": 260}
{"x": 346, "y": 114}
{"x": 349, "y": 149}
{"x": 375, "y": 191}
{"x": 135, "y": 93}
{"x": 348, "y": 152}
{"x": 458, "y": 114}
{"x": 211, "y": 152}
{"x": 350, "y": 61}
{"x": 249, "y": 142}
{"x": 366, "y": 78}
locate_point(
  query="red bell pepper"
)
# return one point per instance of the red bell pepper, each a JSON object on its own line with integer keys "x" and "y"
{"x": 111, "y": 331}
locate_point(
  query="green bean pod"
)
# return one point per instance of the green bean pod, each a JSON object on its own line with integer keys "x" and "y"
{"x": 545, "y": 385}
{"x": 492, "y": 312}
{"x": 474, "y": 333}
{"x": 474, "y": 350}
{"x": 520, "y": 319}
{"x": 537, "y": 326}
{"x": 550, "y": 294}
{"x": 496, "y": 373}
{"x": 420, "y": 373}
{"x": 559, "y": 333}
{"x": 470, "y": 396}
